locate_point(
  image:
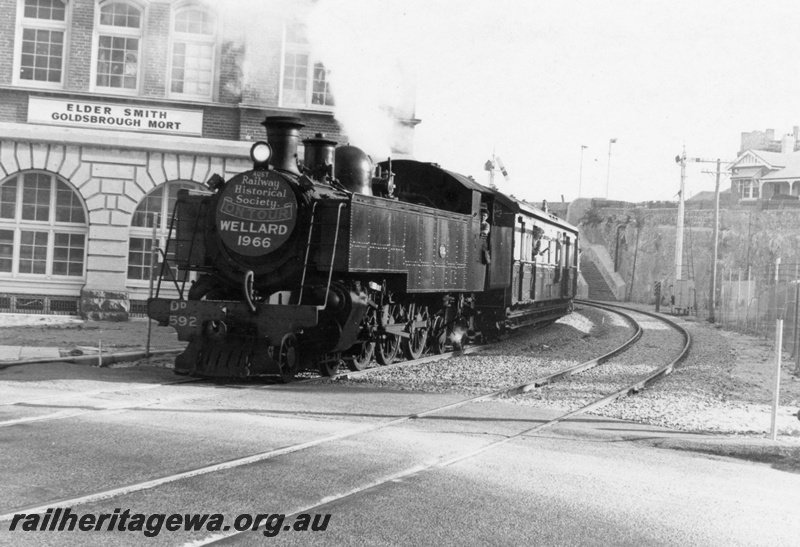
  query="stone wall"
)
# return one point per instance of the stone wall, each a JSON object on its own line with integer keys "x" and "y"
{"x": 642, "y": 241}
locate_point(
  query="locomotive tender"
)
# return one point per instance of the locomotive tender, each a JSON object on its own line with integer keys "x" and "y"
{"x": 339, "y": 261}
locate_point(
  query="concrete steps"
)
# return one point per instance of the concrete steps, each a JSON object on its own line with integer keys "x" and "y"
{"x": 598, "y": 288}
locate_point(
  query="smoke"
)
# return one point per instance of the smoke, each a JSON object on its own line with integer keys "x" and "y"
{"x": 367, "y": 48}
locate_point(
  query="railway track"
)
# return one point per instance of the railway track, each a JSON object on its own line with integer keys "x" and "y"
{"x": 371, "y": 428}
{"x": 310, "y": 377}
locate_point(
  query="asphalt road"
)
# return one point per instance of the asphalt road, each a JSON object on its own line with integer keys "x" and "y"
{"x": 590, "y": 481}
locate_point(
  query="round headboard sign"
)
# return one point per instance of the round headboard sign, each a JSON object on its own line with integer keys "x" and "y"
{"x": 256, "y": 213}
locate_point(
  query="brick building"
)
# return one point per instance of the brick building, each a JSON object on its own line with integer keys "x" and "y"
{"x": 107, "y": 108}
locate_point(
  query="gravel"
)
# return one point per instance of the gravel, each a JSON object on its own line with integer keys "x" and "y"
{"x": 722, "y": 387}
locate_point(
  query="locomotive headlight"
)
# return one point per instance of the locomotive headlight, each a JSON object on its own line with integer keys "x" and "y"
{"x": 260, "y": 153}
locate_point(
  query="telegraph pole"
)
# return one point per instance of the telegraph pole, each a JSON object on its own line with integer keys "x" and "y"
{"x": 580, "y": 175}
{"x": 608, "y": 172}
{"x": 715, "y": 236}
{"x": 679, "y": 232}
{"x": 682, "y": 159}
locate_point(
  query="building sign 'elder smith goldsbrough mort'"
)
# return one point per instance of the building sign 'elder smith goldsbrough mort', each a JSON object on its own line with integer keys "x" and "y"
{"x": 124, "y": 117}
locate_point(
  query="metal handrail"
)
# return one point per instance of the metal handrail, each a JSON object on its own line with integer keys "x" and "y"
{"x": 333, "y": 254}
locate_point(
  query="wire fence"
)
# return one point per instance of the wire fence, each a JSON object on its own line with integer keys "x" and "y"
{"x": 751, "y": 302}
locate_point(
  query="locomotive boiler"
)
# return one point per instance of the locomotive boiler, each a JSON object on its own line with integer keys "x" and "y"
{"x": 335, "y": 260}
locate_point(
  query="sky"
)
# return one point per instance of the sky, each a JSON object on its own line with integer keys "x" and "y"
{"x": 534, "y": 81}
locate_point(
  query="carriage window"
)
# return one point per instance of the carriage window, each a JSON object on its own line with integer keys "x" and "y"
{"x": 558, "y": 248}
{"x": 518, "y": 243}
{"x": 528, "y": 246}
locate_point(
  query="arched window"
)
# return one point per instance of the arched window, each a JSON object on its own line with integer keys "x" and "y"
{"x": 40, "y": 52}
{"x": 155, "y": 210}
{"x": 118, "y": 47}
{"x": 43, "y": 228}
{"x": 194, "y": 40}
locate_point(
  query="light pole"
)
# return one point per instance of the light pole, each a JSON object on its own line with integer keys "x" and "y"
{"x": 608, "y": 173}
{"x": 580, "y": 175}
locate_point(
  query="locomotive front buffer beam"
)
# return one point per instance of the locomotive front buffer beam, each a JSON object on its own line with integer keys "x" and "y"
{"x": 190, "y": 318}
{"x": 214, "y": 351}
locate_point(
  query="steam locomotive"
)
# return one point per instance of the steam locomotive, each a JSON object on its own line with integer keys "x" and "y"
{"x": 339, "y": 261}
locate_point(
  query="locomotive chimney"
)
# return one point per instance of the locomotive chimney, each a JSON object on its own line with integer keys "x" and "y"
{"x": 319, "y": 156}
{"x": 283, "y": 135}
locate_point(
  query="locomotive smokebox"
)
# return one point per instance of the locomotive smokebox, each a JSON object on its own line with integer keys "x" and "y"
{"x": 318, "y": 156}
{"x": 283, "y": 135}
{"x": 354, "y": 169}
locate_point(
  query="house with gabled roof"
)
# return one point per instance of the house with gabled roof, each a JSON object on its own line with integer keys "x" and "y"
{"x": 759, "y": 174}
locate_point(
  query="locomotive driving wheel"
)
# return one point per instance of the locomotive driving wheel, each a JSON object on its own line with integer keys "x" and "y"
{"x": 288, "y": 358}
{"x": 414, "y": 345}
{"x": 388, "y": 344}
{"x": 329, "y": 363}
{"x": 360, "y": 355}
{"x": 437, "y": 339}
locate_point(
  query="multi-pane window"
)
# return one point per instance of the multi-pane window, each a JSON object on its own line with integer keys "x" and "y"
{"x": 36, "y": 197}
{"x": 140, "y": 253}
{"x": 43, "y": 227}
{"x": 69, "y": 207}
{"x": 118, "y": 45}
{"x": 193, "y": 53}
{"x": 6, "y": 250}
{"x": 154, "y": 210}
{"x": 41, "y": 56}
{"x": 749, "y": 189}
{"x": 33, "y": 252}
{"x": 68, "y": 254}
{"x": 321, "y": 90}
{"x": 305, "y": 81}
{"x": 8, "y": 199}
